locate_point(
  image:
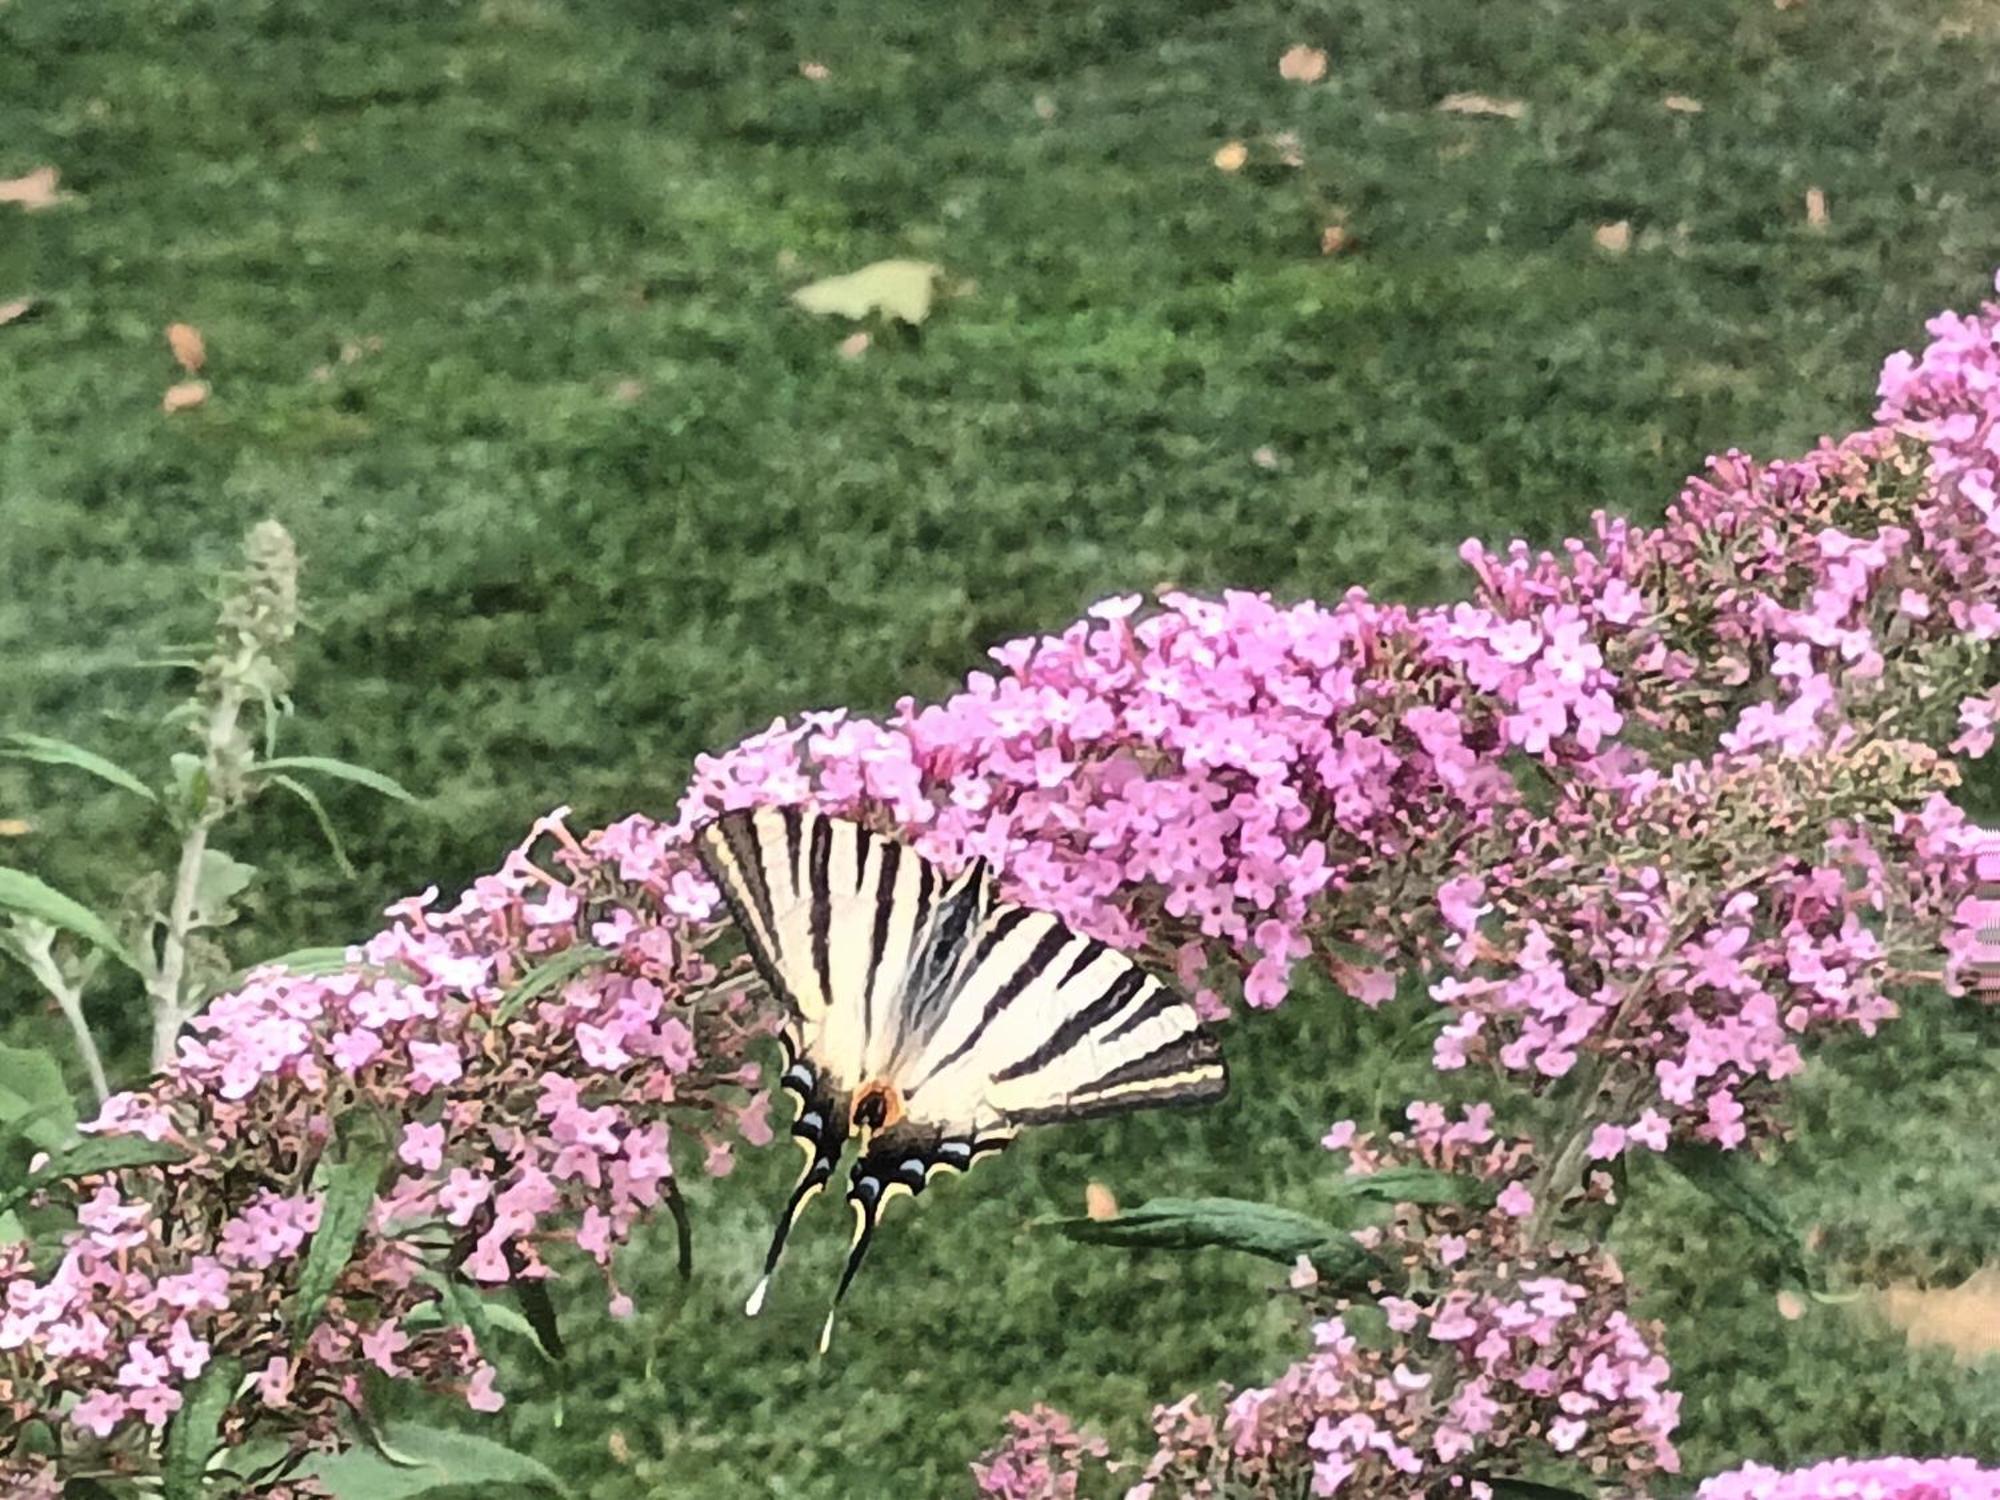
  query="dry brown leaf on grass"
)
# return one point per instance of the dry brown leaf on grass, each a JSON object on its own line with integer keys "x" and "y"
{"x": 13, "y": 312}
{"x": 1482, "y": 104}
{"x": 1964, "y": 1319}
{"x": 1302, "y": 64}
{"x": 1231, "y": 156}
{"x": 1614, "y": 239}
{"x": 180, "y": 397}
{"x": 1099, "y": 1203}
{"x": 35, "y": 191}
{"x": 190, "y": 351}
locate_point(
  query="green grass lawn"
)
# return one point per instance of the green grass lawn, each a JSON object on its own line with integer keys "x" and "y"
{"x": 495, "y": 299}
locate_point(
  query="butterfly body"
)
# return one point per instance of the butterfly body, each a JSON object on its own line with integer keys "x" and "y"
{"x": 928, "y": 1018}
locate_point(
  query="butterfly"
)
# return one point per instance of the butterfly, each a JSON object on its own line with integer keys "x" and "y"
{"x": 929, "y": 1018}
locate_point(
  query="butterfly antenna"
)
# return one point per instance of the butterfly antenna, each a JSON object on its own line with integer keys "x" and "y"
{"x": 811, "y": 1180}
{"x": 866, "y": 1198}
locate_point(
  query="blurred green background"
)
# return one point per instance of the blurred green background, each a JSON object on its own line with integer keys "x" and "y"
{"x": 495, "y": 299}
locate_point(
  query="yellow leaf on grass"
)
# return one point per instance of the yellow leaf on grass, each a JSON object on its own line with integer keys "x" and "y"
{"x": 1302, "y": 64}
{"x": 190, "y": 352}
{"x": 180, "y": 397}
{"x": 1232, "y": 156}
{"x": 1682, "y": 104}
{"x": 14, "y": 828}
{"x": 34, "y": 191}
{"x": 1482, "y": 104}
{"x": 1964, "y": 1319}
{"x": 1099, "y": 1203}
{"x": 895, "y": 288}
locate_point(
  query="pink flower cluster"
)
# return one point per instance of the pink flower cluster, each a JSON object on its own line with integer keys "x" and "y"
{"x": 502, "y": 1135}
{"x": 1860, "y": 1479}
{"x": 1042, "y": 1458}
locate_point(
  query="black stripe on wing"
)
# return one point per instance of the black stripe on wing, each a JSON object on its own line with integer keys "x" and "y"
{"x": 1185, "y": 1071}
{"x": 732, "y": 853}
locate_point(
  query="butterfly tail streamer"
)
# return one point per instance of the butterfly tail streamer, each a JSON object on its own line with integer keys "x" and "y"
{"x": 868, "y": 1202}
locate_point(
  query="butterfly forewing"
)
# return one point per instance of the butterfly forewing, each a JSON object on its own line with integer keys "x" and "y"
{"x": 832, "y": 915}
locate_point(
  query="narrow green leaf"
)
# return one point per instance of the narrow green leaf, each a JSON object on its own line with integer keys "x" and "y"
{"x": 1528, "y": 1489}
{"x": 465, "y": 1306}
{"x": 317, "y": 808}
{"x": 540, "y": 1314}
{"x": 221, "y": 878}
{"x": 37, "y": 747}
{"x": 34, "y": 1096}
{"x": 193, "y": 1432}
{"x": 1191, "y": 1223}
{"x": 429, "y": 1459}
{"x": 545, "y": 977}
{"x": 1729, "y": 1178}
{"x": 1413, "y": 1185}
{"x": 88, "y": 1156}
{"x": 341, "y": 770}
{"x": 346, "y": 1179}
{"x": 22, "y": 892}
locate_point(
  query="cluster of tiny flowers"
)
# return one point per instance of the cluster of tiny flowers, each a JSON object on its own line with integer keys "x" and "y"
{"x": 514, "y": 1113}
{"x": 1860, "y": 1479}
{"x": 1678, "y": 938}
{"x": 1694, "y": 810}
{"x": 1490, "y": 1351}
{"x": 1043, "y": 1457}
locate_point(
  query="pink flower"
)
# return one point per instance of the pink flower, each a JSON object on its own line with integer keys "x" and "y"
{"x": 434, "y": 1065}
{"x": 462, "y": 1195}
{"x": 421, "y": 1146}
{"x": 480, "y": 1395}
{"x": 1516, "y": 1201}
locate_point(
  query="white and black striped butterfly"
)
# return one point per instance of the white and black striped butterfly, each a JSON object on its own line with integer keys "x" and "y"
{"x": 929, "y": 1017}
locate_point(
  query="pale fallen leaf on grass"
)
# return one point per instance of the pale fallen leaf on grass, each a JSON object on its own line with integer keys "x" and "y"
{"x": 1265, "y": 457}
{"x": 180, "y": 397}
{"x": 1482, "y": 104}
{"x": 190, "y": 352}
{"x": 19, "y": 308}
{"x": 1231, "y": 156}
{"x": 855, "y": 345}
{"x": 1614, "y": 239}
{"x": 1333, "y": 239}
{"x": 1291, "y": 150}
{"x": 1099, "y": 1203}
{"x": 818, "y": 72}
{"x": 1302, "y": 64}
{"x": 1045, "y": 107}
{"x": 34, "y": 191}
{"x": 1681, "y": 104}
{"x": 628, "y": 391}
{"x": 1815, "y": 208}
{"x": 1791, "y": 1306}
{"x": 896, "y": 288}
{"x": 14, "y": 828}
{"x": 1964, "y": 1319}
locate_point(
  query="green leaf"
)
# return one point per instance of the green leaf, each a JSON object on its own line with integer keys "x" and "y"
{"x": 308, "y": 796}
{"x": 192, "y": 1434}
{"x": 190, "y": 783}
{"x": 1413, "y": 1185}
{"x": 346, "y": 1179}
{"x": 37, "y": 747}
{"x": 897, "y": 288}
{"x": 34, "y": 1096}
{"x": 540, "y": 1315}
{"x": 88, "y": 1156}
{"x": 22, "y": 892}
{"x": 1729, "y": 1178}
{"x": 340, "y": 770}
{"x": 219, "y": 881}
{"x": 1191, "y": 1223}
{"x": 545, "y": 977}
{"x": 419, "y": 1460}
